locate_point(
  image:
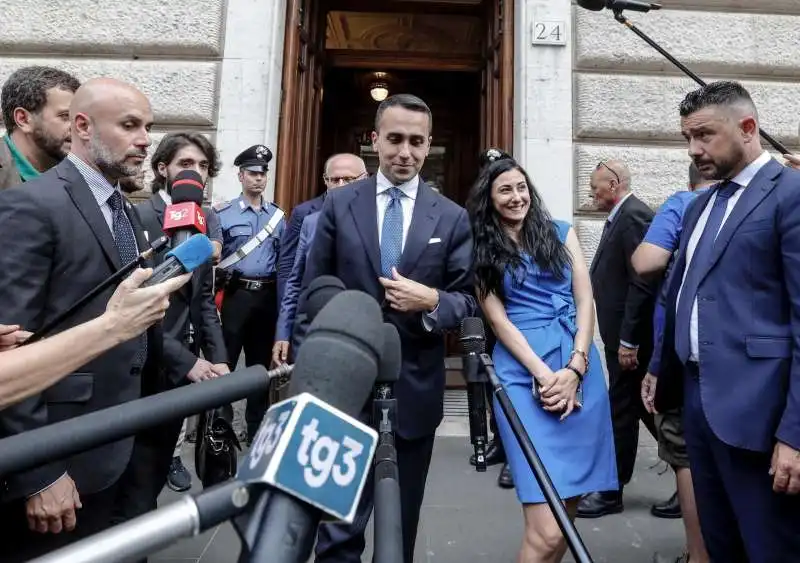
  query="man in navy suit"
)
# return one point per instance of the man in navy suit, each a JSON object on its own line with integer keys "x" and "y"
{"x": 340, "y": 170}
{"x": 395, "y": 238}
{"x": 733, "y": 321}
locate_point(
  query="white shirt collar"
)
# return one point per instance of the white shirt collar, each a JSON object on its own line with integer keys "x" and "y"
{"x": 409, "y": 188}
{"x": 615, "y": 210}
{"x": 165, "y": 196}
{"x": 746, "y": 176}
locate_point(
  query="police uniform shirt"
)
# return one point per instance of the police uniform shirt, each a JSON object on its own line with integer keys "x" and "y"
{"x": 240, "y": 222}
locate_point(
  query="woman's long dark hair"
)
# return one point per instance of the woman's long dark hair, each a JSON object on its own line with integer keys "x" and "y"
{"x": 494, "y": 251}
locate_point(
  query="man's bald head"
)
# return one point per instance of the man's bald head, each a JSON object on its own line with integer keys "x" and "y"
{"x": 343, "y": 168}
{"x": 111, "y": 123}
{"x": 610, "y": 182}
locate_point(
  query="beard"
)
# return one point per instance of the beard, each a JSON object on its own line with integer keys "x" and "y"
{"x": 53, "y": 147}
{"x": 722, "y": 167}
{"x": 112, "y": 166}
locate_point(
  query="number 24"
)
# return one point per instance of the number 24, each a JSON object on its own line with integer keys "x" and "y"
{"x": 541, "y": 32}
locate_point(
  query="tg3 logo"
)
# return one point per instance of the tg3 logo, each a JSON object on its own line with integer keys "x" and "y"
{"x": 318, "y": 455}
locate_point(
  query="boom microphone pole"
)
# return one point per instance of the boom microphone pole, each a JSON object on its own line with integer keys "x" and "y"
{"x": 388, "y": 521}
{"x": 617, "y": 6}
{"x": 473, "y": 340}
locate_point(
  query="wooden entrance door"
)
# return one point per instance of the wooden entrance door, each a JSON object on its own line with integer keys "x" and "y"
{"x": 497, "y": 81}
{"x": 301, "y": 103}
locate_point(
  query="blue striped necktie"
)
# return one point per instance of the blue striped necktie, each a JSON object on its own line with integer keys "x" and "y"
{"x": 125, "y": 239}
{"x": 392, "y": 232}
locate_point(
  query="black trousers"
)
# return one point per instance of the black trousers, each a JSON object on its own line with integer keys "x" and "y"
{"x": 627, "y": 409}
{"x": 248, "y": 322}
{"x": 342, "y": 543}
{"x": 18, "y": 543}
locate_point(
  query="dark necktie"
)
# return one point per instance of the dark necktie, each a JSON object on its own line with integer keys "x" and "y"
{"x": 695, "y": 269}
{"x": 392, "y": 233}
{"x": 125, "y": 239}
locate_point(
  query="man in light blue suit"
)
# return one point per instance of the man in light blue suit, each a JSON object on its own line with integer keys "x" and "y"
{"x": 733, "y": 322}
{"x": 340, "y": 170}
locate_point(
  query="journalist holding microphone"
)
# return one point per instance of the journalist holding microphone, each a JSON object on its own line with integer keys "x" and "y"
{"x": 27, "y": 370}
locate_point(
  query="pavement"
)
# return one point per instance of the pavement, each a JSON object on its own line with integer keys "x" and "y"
{"x": 466, "y": 518}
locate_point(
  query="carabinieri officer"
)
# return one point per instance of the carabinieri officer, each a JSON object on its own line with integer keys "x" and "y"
{"x": 251, "y": 233}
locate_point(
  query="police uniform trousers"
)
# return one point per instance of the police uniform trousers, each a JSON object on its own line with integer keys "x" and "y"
{"x": 248, "y": 319}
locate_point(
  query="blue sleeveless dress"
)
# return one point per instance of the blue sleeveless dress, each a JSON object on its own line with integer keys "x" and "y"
{"x": 578, "y": 453}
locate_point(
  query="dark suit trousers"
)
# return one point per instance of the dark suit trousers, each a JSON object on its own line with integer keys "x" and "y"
{"x": 742, "y": 519}
{"x": 342, "y": 543}
{"x": 18, "y": 543}
{"x": 627, "y": 409}
{"x": 248, "y": 321}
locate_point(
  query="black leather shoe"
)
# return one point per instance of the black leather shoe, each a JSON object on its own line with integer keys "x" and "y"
{"x": 595, "y": 505}
{"x": 494, "y": 454}
{"x": 670, "y": 508}
{"x": 505, "y": 480}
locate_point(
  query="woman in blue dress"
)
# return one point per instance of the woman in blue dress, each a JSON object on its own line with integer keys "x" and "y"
{"x": 534, "y": 289}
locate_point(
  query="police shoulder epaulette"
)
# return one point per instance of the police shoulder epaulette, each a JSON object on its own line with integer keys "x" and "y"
{"x": 275, "y": 206}
{"x": 221, "y": 205}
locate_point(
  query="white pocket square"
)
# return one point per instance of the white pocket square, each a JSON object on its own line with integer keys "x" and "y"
{"x": 435, "y": 240}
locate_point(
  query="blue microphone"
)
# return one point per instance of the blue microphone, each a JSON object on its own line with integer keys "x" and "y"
{"x": 184, "y": 258}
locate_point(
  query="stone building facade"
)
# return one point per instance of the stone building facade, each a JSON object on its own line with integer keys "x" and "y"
{"x": 216, "y": 66}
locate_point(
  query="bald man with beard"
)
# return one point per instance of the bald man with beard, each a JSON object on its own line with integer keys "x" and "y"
{"x": 63, "y": 233}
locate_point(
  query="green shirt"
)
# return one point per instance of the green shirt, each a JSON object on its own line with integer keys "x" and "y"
{"x": 25, "y": 168}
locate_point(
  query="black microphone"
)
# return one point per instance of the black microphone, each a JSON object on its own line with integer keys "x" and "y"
{"x": 472, "y": 344}
{"x": 388, "y": 522}
{"x": 320, "y": 291}
{"x": 619, "y": 5}
{"x": 339, "y": 361}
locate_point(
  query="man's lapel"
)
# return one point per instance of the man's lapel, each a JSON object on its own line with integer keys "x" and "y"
{"x": 423, "y": 222}
{"x": 759, "y": 188}
{"x": 82, "y": 197}
{"x": 608, "y": 230}
{"x": 365, "y": 214}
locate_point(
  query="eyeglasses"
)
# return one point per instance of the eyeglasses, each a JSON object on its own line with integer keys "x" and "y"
{"x": 607, "y": 167}
{"x": 342, "y": 179}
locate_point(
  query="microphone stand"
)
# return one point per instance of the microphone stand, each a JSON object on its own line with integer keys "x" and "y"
{"x": 620, "y": 17}
{"x": 558, "y": 509}
{"x": 388, "y": 518}
{"x": 476, "y": 403}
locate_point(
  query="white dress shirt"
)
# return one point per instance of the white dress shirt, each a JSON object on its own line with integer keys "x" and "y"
{"x": 743, "y": 179}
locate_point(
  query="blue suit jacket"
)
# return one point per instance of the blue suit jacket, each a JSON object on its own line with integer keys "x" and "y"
{"x": 749, "y": 317}
{"x": 290, "y": 238}
{"x": 437, "y": 253}
{"x": 294, "y": 284}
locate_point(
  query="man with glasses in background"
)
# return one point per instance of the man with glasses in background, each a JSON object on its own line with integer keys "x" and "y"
{"x": 348, "y": 170}
{"x": 625, "y": 306}
{"x": 340, "y": 170}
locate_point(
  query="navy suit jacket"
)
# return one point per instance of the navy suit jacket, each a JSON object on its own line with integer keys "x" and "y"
{"x": 294, "y": 285}
{"x": 748, "y": 315}
{"x": 437, "y": 253}
{"x": 290, "y": 238}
